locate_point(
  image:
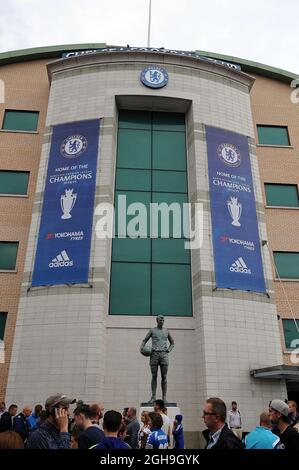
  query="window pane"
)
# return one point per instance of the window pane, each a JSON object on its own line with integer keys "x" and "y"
{"x": 134, "y": 120}
{"x": 3, "y": 316}
{"x": 291, "y": 333}
{"x": 142, "y": 217}
{"x": 134, "y": 149}
{"x": 169, "y": 197}
{"x": 170, "y": 250}
{"x": 169, "y": 219}
{"x": 281, "y": 195}
{"x": 169, "y": 152}
{"x": 130, "y": 289}
{"x": 287, "y": 264}
{"x": 8, "y": 255}
{"x": 273, "y": 135}
{"x": 133, "y": 180}
{"x": 20, "y": 120}
{"x": 171, "y": 181}
{"x": 171, "y": 294}
{"x": 169, "y": 122}
{"x": 14, "y": 182}
{"x": 128, "y": 249}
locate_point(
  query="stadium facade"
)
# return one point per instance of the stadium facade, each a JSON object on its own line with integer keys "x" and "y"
{"x": 75, "y": 307}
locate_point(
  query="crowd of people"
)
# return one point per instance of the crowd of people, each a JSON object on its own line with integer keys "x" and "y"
{"x": 278, "y": 427}
{"x": 53, "y": 428}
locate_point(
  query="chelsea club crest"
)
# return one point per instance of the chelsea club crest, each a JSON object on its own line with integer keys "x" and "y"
{"x": 154, "y": 76}
{"x": 229, "y": 154}
{"x": 73, "y": 146}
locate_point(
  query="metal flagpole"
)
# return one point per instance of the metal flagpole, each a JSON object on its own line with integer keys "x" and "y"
{"x": 149, "y": 23}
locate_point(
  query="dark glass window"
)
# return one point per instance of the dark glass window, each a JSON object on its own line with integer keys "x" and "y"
{"x": 8, "y": 255}
{"x": 273, "y": 135}
{"x": 287, "y": 264}
{"x": 291, "y": 334}
{"x": 171, "y": 289}
{"x": 151, "y": 276}
{"x": 20, "y": 120}
{"x": 14, "y": 182}
{"x": 3, "y": 317}
{"x": 130, "y": 289}
{"x": 282, "y": 195}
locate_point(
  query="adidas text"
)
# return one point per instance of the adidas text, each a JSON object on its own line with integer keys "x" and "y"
{"x": 60, "y": 264}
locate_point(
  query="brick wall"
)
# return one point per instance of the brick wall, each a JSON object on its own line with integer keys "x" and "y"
{"x": 26, "y": 88}
{"x": 271, "y": 104}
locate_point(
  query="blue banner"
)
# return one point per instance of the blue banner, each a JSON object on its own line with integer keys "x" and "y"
{"x": 237, "y": 253}
{"x": 63, "y": 248}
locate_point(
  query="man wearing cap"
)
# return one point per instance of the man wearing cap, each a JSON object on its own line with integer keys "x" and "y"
{"x": 53, "y": 433}
{"x": 289, "y": 437}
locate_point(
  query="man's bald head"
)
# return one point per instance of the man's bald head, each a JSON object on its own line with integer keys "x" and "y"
{"x": 265, "y": 420}
{"x": 27, "y": 411}
{"x": 131, "y": 413}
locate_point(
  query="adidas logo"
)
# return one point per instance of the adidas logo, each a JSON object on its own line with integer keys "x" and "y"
{"x": 239, "y": 266}
{"x": 62, "y": 260}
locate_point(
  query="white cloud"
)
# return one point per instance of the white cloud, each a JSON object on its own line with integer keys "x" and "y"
{"x": 260, "y": 31}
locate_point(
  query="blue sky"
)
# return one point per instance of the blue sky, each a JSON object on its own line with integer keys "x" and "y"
{"x": 263, "y": 31}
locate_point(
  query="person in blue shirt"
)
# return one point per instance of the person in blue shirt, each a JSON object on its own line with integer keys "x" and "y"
{"x": 111, "y": 423}
{"x": 261, "y": 437}
{"x": 34, "y": 418}
{"x": 178, "y": 433}
{"x": 157, "y": 438}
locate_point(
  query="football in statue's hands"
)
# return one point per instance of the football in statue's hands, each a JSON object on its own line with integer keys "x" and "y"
{"x": 146, "y": 350}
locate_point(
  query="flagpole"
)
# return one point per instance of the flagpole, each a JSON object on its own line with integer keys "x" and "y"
{"x": 149, "y": 23}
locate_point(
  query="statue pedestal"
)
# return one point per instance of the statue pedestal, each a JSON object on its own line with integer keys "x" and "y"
{"x": 147, "y": 404}
{"x": 172, "y": 410}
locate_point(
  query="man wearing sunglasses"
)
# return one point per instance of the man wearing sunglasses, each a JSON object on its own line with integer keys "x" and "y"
{"x": 218, "y": 436}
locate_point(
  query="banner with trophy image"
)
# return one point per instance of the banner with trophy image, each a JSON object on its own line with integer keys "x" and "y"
{"x": 236, "y": 243}
{"x": 63, "y": 247}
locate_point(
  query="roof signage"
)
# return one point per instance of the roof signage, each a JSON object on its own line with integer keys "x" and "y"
{"x": 160, "y": 50}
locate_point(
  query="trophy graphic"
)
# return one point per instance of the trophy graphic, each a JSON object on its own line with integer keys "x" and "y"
{"x": 235, "y": 210}
{"x": 67, "y": 202}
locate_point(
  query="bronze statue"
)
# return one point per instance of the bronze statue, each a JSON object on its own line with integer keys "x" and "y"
{"x": 158, "y": 355}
